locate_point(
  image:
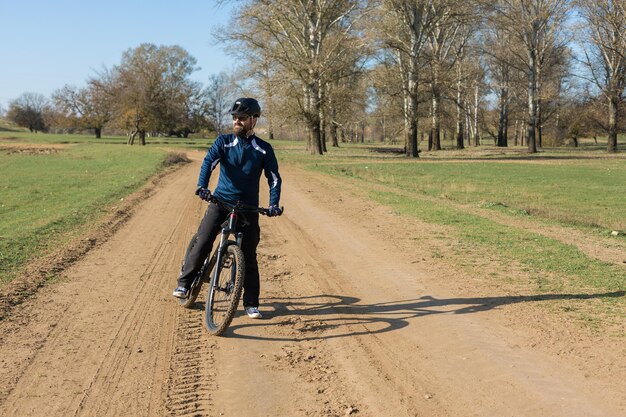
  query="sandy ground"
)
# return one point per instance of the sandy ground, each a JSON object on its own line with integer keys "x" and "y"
{"x": 366, "y": 313}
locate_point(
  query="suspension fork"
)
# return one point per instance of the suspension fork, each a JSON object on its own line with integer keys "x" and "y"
{"x": 232, "y": 226}
{"x": 226, "y": 232}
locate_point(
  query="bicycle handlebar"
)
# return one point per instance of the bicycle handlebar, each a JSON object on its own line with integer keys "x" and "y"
{"x": 239, "y": 206}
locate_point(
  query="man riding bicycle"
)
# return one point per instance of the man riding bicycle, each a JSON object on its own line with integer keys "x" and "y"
{"x": 242, "y": 157}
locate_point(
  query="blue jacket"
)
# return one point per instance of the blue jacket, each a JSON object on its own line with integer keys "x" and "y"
{"x": 241, "y": 162}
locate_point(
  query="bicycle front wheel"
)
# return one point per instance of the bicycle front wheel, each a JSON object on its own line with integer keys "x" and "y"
{"x": 225, "y": 290}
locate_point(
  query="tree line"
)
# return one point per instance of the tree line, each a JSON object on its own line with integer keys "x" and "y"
{"x": 530, "y": 73}
{"x": 149, "y": 93}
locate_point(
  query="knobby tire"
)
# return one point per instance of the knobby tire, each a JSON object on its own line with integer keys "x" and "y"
{"x": 223, "y": 296}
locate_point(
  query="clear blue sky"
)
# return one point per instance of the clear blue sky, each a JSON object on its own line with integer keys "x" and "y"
{"x": 45, "y": 44}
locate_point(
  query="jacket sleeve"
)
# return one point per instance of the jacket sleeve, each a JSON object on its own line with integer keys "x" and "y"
{"x": 273, "y": 177}
{"x": 212, "y": 158}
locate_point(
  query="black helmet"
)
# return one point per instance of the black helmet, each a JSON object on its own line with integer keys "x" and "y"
{"x": 247, "y": 106}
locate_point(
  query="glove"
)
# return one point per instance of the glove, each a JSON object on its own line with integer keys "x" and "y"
{"x": 274, "y": 211}
{"x": 203, "y": 193}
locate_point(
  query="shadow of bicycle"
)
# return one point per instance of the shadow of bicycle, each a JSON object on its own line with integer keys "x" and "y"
{"x": 334, "y": 316}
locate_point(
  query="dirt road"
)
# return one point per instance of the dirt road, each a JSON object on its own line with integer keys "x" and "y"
{"x": 362, "y": 317}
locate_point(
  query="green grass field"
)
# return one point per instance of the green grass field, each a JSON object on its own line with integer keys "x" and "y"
{"x": 587, "y": 193}
{"x": 20, "y": 136}
{"x": 47, "y": 194}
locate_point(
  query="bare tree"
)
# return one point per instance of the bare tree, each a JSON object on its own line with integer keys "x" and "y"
{"x": 498, "y": 58}
{"x": 266, "y": 76}
{"x": 403, "y": 27}
{"x": 86, "y": 108}
{"x": 296, "y": 33}
{"x": 219, "y": 99}
{"x": 502, "y": 62}
{"x": 605, "y": 55}
{"x": 469, "y": 79}
{"x": 345, "y": 89}
{"x": 270, "y": 78}
{"x": 450, "y": 32}
{"x": 28, "y": 110}
{"x": 537, "y": 27}
{"x": 151, "y": 87}
{"x": 388, "y": 93}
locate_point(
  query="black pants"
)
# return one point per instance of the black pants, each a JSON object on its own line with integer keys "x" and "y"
{"x": 208, "y": 230}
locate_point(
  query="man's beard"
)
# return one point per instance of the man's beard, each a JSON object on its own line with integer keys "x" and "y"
{"x": 241, "y": 130}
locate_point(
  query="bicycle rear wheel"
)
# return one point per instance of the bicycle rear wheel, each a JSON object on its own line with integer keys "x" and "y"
{"x": 225, "y": 290}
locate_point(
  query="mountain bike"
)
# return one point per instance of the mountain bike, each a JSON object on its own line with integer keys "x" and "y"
{"x": 224, "y": 270}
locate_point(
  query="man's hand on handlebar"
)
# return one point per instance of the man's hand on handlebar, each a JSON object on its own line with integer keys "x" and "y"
{"x": 203, "y": 193}
{"x": 274, "y": 211}
{"x": 271, "y": 211}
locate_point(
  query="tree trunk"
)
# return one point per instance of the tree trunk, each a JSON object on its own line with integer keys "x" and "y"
{"x": 613, "y": 122}
{"x": 270, "y": 108}
{"x": 539, "y": 125}
{"x": 531, "y": 127}
{"x": 307, "y": 113}
{"x": 468, "y": 133}
{"x": 476, "y": 134}
{"x": 460, "y": 117}
{"x": 314, "y": 115}
{"x": 405, "y": 76}
{"x": 407, "y": 137}
{"x": 412, "y": 151}
{"x": 131, "y": 138}
{"x": 321, "y": 114}
{"x": 557, "y": 117}
{"x": 313, "y": 85}
{"x": 333, "y": 134}
{"x": 316, "y": 137}
{"x": 504, "y": 119}
{"x": 411, "y": 85}
{"x": 436, "y": 125}
{"x": 323, "y": 134}
{"x": 98, "y": 132}
{"x": 333, "y": 124}
{"x": 411, "y": 121}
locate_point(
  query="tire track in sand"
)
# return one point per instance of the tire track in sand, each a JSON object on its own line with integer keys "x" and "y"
{"x": 100, "y": 397}
{"x": 191, "y": 374}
